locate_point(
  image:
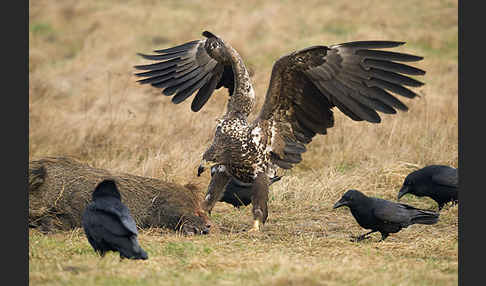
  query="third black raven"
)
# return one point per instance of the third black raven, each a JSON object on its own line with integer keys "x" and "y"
{"x": 438, "y": 182}
{"x": 381, "y": 215}
{"x": 236, "y": 192}
{"x": 108, "y": 225}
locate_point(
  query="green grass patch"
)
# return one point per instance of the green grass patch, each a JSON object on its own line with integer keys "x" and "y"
{"x": 41, "y": 28}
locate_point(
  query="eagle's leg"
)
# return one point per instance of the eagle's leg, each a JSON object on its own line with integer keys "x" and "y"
{"x": 259, "y": 201}
{"x": 216, "y": 188}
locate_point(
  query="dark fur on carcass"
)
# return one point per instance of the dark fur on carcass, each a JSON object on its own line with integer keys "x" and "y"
{"x": 60, "y": 188}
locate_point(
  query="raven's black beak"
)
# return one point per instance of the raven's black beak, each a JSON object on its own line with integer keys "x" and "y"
{"x": 402, "y": 192}
{"x": 340, "y": 203}
{"x": 200, "y": 170}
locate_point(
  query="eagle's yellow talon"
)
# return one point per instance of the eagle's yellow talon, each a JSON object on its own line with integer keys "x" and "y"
{"x": 256, "y": 226}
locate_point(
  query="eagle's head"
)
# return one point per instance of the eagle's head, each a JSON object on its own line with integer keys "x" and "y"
{"x": 212, "y": 156}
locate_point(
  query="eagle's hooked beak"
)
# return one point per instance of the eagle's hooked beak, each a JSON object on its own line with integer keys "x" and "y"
{"x": 200, "y": 170}
{"x": 202, "y": 167}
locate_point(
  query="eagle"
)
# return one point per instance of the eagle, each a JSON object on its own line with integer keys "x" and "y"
{"x": 358, "y": 78}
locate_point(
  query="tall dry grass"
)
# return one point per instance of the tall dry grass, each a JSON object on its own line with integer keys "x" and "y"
{"x": 84, "y": 101}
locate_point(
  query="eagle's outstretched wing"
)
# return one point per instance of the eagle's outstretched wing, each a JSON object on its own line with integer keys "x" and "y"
{"x": 354, "y": 77}
{"x": 183, "y": 69}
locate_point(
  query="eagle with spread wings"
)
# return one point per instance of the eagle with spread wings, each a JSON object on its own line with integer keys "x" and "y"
{"x": 359, "y": 78}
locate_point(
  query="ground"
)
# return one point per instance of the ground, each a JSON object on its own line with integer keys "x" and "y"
{"x": 84, "y": 101}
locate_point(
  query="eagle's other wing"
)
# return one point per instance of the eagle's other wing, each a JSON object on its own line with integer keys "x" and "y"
{"x": 183, "y": 69}
{"x": 305, "y": 86}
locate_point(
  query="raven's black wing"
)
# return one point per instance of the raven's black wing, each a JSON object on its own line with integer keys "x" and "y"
{"x": 113, "y": 213}
{"x": 446, "y": 176}
{"x": 403, "y": 214}
{"x": 105, "y": 231}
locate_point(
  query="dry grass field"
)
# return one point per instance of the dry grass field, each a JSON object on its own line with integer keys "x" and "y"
{"x": 84, "y": 102}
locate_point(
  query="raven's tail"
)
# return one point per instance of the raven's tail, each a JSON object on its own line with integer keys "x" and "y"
{"x": 425, "y": 217}
{"x": 130, "y": 248}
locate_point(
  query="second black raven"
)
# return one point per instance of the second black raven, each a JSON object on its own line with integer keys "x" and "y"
{"x": 437, "y": 182}
{"x": 236, "y": 192}
{"x": 381, "y": 215}
{"x": 108, "y": 225}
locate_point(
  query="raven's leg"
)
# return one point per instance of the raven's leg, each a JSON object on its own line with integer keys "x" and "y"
{"x": 101, "y": 252}
{"x": 384, "y": 235}
{"x": 216, "y": 188}
{"x": 441, "y": 205}
{"x": 259, "y": 199}
{"x": 363, "y": 236}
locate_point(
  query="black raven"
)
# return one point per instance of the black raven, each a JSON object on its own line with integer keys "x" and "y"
{"x": 438, "y": 182}
{"x": 108, "y": 225}
{"x": 382, "y": 215}
{"x": 240, "y": 194}
{"x": 236, "y": 192}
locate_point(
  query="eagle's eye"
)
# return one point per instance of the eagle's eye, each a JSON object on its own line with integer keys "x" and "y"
{"x": 214, "y": 45}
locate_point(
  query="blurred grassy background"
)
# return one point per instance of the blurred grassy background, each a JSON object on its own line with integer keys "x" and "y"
{"x": 84, "y": 101}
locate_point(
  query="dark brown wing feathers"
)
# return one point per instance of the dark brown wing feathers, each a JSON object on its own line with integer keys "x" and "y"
{"x": 179, "y": 48}
{"x": 204, "y": 93}
{"x": 355, "y": 78}
{"x": 185, "y": 69}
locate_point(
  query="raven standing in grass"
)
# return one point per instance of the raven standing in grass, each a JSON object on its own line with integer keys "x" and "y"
{"x": 438, "y": 182}
{"x": 383, "y": 216}
{"x": 108, "y": 225}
